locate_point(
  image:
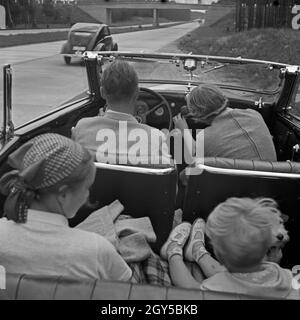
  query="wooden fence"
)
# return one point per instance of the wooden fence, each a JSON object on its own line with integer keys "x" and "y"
{"x": 264, "y": 13}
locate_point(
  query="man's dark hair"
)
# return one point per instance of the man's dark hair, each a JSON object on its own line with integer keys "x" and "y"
{"x": 119, "y": 81}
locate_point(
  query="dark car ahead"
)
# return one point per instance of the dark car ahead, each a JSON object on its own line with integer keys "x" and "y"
{"x": 87, "y": 37}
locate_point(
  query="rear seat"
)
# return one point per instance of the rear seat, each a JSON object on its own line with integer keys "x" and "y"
{"x": 28, "y": 287}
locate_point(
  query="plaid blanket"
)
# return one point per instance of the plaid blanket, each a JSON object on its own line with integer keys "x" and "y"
{"x": 153, "y": 270}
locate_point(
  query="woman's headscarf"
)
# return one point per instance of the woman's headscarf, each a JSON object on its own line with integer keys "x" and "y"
{"x": 39, "y": 164}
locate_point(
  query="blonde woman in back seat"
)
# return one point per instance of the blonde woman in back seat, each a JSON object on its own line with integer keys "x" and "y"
{"x": 241, "y": 231}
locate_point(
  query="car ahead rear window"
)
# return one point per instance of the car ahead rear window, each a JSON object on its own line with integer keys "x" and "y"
{"x": 83, "y": 33}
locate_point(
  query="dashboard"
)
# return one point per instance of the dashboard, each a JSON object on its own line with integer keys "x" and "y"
{"x": 160, "y": 117}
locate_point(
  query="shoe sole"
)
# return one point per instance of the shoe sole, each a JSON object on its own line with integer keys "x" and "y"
{"x": 163, "y": 250}
{"x": 192, "y": 234}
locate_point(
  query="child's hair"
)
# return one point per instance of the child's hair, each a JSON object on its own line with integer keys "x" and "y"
{"x": 240, "y": 230}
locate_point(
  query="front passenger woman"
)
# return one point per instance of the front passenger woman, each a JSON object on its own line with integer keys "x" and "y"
{"x": 50, "y": 182}
{"x": 229, "y": 133}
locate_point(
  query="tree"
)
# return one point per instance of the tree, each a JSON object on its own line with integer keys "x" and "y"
{"x": 24, "y": 8}
{"x": 7, "y": 5}
{"x": 32, "y": 8}
{"x": 48, "y": 8}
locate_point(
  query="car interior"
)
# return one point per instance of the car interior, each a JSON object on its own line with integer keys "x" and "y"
{"x": 125, "y": 183}
{"x": 152, "y": 192}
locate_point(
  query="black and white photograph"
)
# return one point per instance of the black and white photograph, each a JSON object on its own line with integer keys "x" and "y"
{"x": 149, "y": 151}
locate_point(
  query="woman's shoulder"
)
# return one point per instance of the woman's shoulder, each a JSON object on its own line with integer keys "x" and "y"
{"x": 250, "y": 113}
{"x": 88, "y": 239}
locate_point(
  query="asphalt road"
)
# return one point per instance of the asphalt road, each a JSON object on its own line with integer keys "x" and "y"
{"x": 42, "y": 81}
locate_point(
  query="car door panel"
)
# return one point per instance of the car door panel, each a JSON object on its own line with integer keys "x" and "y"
{"x": 287, "y": 122}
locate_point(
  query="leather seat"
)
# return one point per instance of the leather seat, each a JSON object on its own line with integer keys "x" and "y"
{"x": 268, "y": 166}
{"x": 29, "y": 287}
{"x": 142, "y": 191}
{"x": 216, "y": 179}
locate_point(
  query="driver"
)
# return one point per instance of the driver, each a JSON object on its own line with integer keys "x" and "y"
{"x": 116, "y": 136}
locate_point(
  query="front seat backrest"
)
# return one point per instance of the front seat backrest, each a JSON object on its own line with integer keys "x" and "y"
{"x": 142, "y": 191}
{"x": 217, "y": 179}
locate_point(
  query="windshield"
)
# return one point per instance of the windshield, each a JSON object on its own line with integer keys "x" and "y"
{"x": 247, "y": 77}
{"x": 42, "y": 85}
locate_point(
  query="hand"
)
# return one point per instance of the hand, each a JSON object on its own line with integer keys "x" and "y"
{"x": 101, "y": 112}
{"x": 179, "y": 122}
{"x": 274, "y": 255}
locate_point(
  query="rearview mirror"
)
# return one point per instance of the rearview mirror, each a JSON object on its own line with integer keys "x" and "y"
{"x": 190, "y": 64}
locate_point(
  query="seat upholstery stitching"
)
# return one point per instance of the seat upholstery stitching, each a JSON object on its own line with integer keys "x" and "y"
{"x": 93, "y": 289}
{"x": 55, "y": 289}
{"x": 18, "y": 286}
{"x": 130, "y": 290}
{"x": 166, "y": 296}
{"x": 291, "y": 167}
{"x": 246, "y": 134}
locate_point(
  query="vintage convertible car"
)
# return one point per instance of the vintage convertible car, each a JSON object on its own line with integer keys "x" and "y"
{"x": 270, "y": 88}
{"x": 87, "y": 36}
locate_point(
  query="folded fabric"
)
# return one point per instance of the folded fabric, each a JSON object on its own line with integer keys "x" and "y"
{"x": 101, "y": 221}
{"x": 130, "y": 236}
{"x": 142, "y": 226}
{"x": 134, "y": 247}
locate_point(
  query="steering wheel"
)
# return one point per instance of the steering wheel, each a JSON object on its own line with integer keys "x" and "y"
{"x": 163, "y": 103}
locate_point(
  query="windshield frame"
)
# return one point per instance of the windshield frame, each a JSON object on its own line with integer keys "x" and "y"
{"x": 179, "y": 58}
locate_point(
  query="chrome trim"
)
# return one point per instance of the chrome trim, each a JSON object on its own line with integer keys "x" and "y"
{"x": 73, "y": 55}
{"x": 259, "y": 103}
{"x": 90, "y": 55}
{"x": 196, "y": 83}
{"x": 52, "y": 115}
{"x": 8, "y": 146}
{"x": 293, "y": 69}
{"x": 7, "y": 132}
{"x": 253, "y": 173}
{"x": 182, "y": 56}
{"x": 123, "y": 168}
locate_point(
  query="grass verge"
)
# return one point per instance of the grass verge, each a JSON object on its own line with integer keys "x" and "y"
{"x": 270, "y": 44}
{"x": 21, "y": 39}
{"x": 279, "y": 45}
